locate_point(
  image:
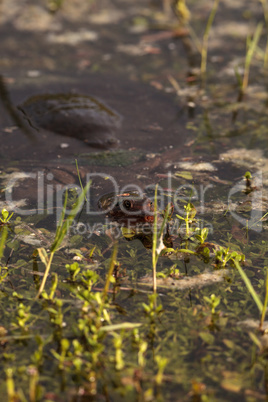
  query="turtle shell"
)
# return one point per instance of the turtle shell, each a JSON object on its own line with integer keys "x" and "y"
{"x": 80, "y": 116}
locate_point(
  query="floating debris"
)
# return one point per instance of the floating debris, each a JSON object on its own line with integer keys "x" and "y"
{"x": 187, "y": 282}
{"x": 72, "y": 38}
{"x": 201, "y": 166}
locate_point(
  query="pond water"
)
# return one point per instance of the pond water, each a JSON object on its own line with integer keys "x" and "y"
{"x": 158, "y": 122}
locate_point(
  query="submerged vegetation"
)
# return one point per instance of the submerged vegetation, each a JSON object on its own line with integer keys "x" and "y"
{"x": 103, "y": 334}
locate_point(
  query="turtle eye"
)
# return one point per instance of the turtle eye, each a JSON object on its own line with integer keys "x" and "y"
{"x": 127, "y": 204}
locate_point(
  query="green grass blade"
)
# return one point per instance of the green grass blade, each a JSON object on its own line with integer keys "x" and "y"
{"x": 79, "y": 178}
{"x": 110, "y": 272}
{"x": 204, "y": 50}
{"x": 250, "y": 53}
{"x": 248, "y": 284}
{"x": 61, "y": 231}
{"x": 42, "y": 286}
{"x": 3, "y": 240}
{"x": 265, "y": 301}
{"x": 165, "y": 219}
{"x": 64, "y": 226}
{"x": 121, "y": 326}
{"x": 155, "y": 237}
{"x": 60, "y": 224}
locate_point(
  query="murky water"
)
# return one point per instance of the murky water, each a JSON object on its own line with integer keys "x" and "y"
{"x": 193, "y": 139}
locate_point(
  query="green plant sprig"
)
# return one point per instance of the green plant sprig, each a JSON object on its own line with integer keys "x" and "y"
{"x": 158, "y": 236}
{"x": 189, "y": 219}
{"x": 261, "y": 306}
{"x": 79, "y": 177}
{"x": 3, "y": 240}
{"x": 6, "y": 216}
{"x": 251, "y": 48}
{"x": 204, "y": 50}
{"x": 61, "y": 232}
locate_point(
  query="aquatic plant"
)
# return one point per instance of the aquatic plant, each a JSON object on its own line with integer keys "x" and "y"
{"x": 189, "y": 219}
{"x": 225, "y": 255}
{"x": 204, "y": 49}
{"x": 265, "y": 13}
{"x": 201, "y": 235}
{"x": 6, "y": 216}
{"x": 213, "y": 302}
{"x": 61, "y": 232}
{"x": 261, "y": 306}
{"x": 251, "y": 48}
{"x": 158, "y": 244}
{"x": 54, "y": 5}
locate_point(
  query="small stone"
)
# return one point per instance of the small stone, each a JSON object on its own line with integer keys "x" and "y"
{"x": 33, "y": 73}
{"x": 64, "y": 145}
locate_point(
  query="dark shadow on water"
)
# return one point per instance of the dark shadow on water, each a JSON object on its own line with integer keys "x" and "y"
{"x": 12, "y": 111}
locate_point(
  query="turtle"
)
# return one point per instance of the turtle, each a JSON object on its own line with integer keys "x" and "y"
{"x": 74, "y": 115}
